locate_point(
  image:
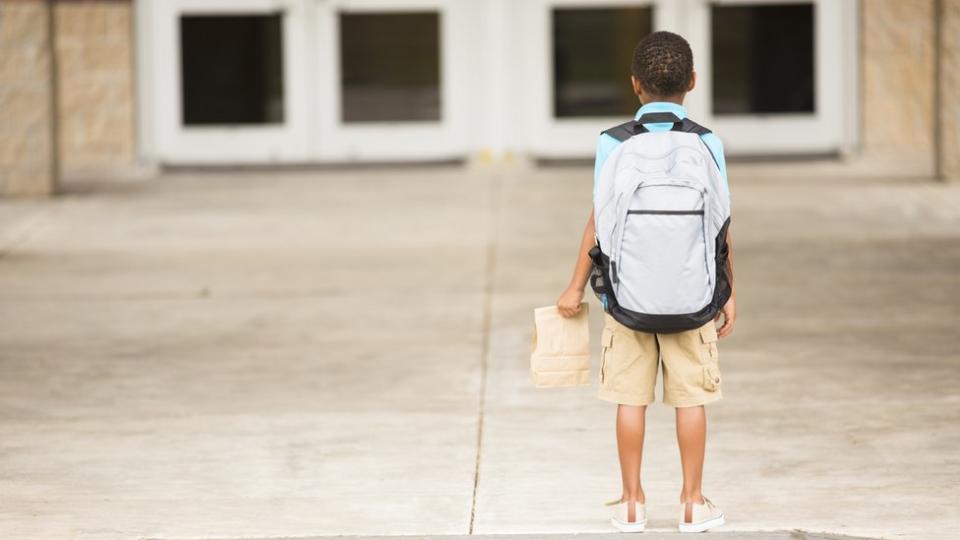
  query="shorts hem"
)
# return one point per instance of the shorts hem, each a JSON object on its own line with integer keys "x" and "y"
{"x": 693, "y": 402}
{"x": 622, "y": 399}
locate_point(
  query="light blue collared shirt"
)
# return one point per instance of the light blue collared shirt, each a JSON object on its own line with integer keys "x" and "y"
{"x": 606, "y": 143}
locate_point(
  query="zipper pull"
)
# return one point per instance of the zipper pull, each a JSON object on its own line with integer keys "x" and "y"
{"x": 613, "y": 272}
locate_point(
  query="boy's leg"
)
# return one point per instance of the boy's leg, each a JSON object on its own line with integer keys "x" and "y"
{"x": 692, "y": 438}
{"x": 631, "y": 424}
{"x": 628, "y": 373}
{"x": 691, "y": 379}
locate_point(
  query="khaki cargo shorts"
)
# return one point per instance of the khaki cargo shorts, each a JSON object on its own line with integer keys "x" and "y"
{"x": 629, "y": 362}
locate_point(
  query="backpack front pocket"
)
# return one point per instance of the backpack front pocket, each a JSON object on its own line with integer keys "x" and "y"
{"x": 663, "y": 267}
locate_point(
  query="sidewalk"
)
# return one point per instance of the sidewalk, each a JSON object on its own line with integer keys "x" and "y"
{"x": 226, "y": 355}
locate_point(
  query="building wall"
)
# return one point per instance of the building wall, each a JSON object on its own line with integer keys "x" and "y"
{"x": 950, "y": 90}
{"x": 26, "y": 129}
{"x": 95, "y": 123}
{"x": 94, "y": 48}
{"x": 898, "y": 72}
{"x": 905, "y": 128}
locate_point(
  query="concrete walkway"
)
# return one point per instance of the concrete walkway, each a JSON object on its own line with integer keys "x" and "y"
{"x": 301, "y": 354}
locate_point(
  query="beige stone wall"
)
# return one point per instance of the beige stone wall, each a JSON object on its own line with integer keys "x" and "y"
{"x": 26, "y": 137}
{"x": 94, "y": 44}
{"x": 95, "y": 94}
{"x": 97, "y": 125}
{"x": 950, "y": 91}
{"x": 898, "y": 58}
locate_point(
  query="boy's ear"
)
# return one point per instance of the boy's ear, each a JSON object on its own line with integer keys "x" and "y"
{"x": 693, "y": 81}
{"x": 636, "y": 86}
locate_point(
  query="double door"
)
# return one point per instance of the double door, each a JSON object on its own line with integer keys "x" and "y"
{"x": 264, "y": 81}
{"x": 773, "y": 77}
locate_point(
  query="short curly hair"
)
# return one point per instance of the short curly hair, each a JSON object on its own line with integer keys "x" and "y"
{"x": 663, "y": 63}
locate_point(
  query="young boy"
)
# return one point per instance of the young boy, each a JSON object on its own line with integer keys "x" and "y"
{"x": 662, "y": 74}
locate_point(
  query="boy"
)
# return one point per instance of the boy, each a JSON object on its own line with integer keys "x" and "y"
{"x": 662, "y": 74}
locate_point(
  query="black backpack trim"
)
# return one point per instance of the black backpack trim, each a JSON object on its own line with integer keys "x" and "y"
{"x": 663, "y": 324}
{"x": 626, "y": 130}
{"x": 621, "y": 132}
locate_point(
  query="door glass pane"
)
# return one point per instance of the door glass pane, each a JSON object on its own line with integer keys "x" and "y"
{"x": 763, "y": 58}
{"x": 231, "y": 69}
{"x": 390, "y": 66}
{"x": 592, "y": 53}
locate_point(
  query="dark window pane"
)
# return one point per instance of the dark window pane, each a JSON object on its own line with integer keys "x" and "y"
{"x": 592, "y": 53}
{"x": 232, "y": 69}
{"x": 763, "y": 59}
{"x": 390, "y": 66}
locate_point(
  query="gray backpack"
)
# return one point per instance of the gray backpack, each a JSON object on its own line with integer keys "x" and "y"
{"x": 662, "y": 212}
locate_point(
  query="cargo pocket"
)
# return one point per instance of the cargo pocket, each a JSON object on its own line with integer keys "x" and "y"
{"x": 606, "y": 341}
{"x": 711, "y": 378}
{"x": 711, "y": 366}
{"x": 708, "y": 337}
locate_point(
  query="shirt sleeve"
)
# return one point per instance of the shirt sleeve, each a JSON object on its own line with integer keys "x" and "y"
{"x": 605, "y": 145}
{"x": 716, "y": 148}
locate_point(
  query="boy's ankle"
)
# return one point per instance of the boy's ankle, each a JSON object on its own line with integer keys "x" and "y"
{"x": 695, "y": 499}
{"x": 638, "y": 497}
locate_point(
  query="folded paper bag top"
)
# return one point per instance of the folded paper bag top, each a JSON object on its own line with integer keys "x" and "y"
{"x": 561, "y": 348}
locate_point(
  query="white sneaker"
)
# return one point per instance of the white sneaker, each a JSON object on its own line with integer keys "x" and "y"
{"x": 621, "y": 516}
{"x": 702, "y": 517}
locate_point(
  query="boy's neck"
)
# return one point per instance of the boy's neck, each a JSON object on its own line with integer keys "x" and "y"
{"x": 677, "y": 100}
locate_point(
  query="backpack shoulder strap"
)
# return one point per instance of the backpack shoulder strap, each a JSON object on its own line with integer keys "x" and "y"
{"x": 690, "y": 126}
{"x": 628, "y": 129}
{"x": 621, "y": 132}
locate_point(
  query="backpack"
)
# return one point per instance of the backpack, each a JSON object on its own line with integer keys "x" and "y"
{"x": 661, "y": 211}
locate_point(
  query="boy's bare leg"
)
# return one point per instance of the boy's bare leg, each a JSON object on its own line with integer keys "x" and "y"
{"x": 631, "y": 423}
{"x": 691, "y": 437}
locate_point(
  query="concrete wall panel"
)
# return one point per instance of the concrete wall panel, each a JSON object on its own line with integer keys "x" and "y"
{"x": 94, "y": 45}
{"x": 898, "y": 59}
{"x": 950, "y": 91}
{"x": 26, "y": 149}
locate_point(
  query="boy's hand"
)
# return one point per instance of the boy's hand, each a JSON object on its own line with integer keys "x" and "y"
{"x": 569, "y": 302}
{"x": 729, "y": 313}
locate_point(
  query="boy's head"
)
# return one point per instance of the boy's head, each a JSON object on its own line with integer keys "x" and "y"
{"x": 662, "y": 68}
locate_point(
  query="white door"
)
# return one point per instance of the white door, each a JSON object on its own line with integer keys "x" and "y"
{"x": 219, "y": 81}
{"x": 774, "y": 76}
{"x": 390, "y": 79}
{"x": 574, "y": 60}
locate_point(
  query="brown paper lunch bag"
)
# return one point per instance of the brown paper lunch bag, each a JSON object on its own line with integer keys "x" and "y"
{"x": 561, "y": 348}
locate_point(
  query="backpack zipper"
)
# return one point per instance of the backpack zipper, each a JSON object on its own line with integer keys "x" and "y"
{"x": 668, "y": 212}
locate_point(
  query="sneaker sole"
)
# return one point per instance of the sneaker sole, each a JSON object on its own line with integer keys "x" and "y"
{"x": 703, "y": 525}
{"x": 628, "y": 527}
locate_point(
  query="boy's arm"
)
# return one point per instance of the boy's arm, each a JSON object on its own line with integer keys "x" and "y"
{"x": 729, "y": 310}
{"x": 569, "y": 302}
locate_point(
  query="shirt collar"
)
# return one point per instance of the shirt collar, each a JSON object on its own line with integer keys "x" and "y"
{"x": 662, "y": 106}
